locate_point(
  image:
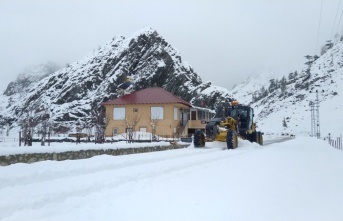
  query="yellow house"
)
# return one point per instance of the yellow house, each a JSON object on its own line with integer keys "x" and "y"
{"x": 153, "y": 110}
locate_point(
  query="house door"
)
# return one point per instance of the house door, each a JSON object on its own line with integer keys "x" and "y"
{"x": 185, "y": 118}
{"x": 193, "y": 115}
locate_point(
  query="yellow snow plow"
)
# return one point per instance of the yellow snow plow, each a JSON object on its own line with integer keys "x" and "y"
{"x": 232, "y": 121}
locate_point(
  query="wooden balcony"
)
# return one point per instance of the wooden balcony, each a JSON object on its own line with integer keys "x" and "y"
{"x": 196, "y": 124}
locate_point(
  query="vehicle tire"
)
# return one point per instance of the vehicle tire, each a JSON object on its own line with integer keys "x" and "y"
{"x": 254, "y": 137}
{"x": 231, "y": 140}
{"x": 250, "y": 137}
{"x": 199, "y": 139}
{"x": 260, "y": 138}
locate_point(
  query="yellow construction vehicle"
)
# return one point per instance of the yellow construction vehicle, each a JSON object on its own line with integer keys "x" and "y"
{"x": 232, "y": 121}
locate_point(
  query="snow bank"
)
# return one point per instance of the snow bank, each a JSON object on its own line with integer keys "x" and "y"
{"x": 64, "y": 147}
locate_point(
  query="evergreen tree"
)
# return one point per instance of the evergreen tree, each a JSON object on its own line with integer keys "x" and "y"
{"x": 272, "y": 85}
{"x": 295, "y": 74}
{"x": 264, "y": 92}
{"x": 283, "y": 83}
{"x": 284, "y": 124}
{"x": 277, "y": 84}
{"x": 253, "y": 98}
{"x": 290, "y": 76}
{"x": 307, "y": 74}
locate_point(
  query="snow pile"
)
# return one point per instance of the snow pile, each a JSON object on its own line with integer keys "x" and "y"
{"x": 67, "y": 146}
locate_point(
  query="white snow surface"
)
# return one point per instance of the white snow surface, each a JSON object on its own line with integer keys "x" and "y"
{"x": 299, "y": 179}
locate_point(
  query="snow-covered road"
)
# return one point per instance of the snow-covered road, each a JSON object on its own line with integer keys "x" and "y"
{"x": 300, "y": 179}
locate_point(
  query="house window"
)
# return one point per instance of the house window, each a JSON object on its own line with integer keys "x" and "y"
{"x": 115, "y": 131}
{"x": 142, "y": 129}
{"x": 119, "y": 113}
{"x": 201, "y": 115}
{"x": 156, "y": 113}
{"x": 176, "y": 113}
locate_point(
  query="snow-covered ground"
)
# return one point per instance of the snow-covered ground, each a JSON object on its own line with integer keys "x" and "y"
{"x": 10, "y": 145}
{"x": 300, "y": 179}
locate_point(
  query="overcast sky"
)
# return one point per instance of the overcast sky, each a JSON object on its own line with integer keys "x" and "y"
{"x": 225, "y": 41}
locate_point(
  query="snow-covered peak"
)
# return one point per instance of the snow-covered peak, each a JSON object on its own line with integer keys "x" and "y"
{"x": 38, "y": 70}
{"x": 143, "y": 31}
{"x": 31, "y": 74}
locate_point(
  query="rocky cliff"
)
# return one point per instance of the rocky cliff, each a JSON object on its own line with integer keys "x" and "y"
{"x": 72, "y": 93}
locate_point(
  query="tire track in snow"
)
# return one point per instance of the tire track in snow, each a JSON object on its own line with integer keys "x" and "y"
{"x": 51, "y": 175}
{"x": 141, "y": 171}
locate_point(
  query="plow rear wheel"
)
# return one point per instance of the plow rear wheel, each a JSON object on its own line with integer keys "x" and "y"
{"x": 257, "y": 136}
{"x": 260, "y": 138}
{"x": 231, "y": 140}
{"x": 199, "y": 139}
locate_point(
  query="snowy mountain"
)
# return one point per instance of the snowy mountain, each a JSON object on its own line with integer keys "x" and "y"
{"x": 75, "y": 92}
{"x": 30, "y": 75}
{"x": 282, "y": 104}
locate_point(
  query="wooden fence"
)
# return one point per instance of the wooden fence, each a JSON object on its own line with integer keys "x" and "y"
{"x": 9, "y": 139}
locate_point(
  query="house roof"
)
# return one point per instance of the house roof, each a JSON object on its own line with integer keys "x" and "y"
{"x": 148, "y": 96}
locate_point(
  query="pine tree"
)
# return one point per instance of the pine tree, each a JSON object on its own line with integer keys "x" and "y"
{"x": 263, "y": 93}
{"x": 284, "y": 124}
{"x": 272, "y": 85}
{"x": 283, "y": 83}
{"x": 290, "y": 76}
{"x": 295, "y": 74}
{"x": 254, "y": 98}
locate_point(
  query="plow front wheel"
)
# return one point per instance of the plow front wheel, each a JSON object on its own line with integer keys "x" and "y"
{"x": 199, "y": 139}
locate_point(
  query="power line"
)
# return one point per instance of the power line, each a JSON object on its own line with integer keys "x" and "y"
{"x": 333, "y": 27}
{"x": 339, "y": 23}
{"x": 320, "y": 18}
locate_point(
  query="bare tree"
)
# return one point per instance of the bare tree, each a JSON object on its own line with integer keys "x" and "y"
{"x": 27, "y": 130}
{"x": 46, "y": 124}
{"x": 79, "y": 128}
{"x": 100, "y": 120}
{"x": 89, "y": 130}
{"x": 155, "y": 118}
{"x": 130, "y": 123}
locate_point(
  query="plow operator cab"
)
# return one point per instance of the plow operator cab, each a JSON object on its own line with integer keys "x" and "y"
{"x": 232, "y": 121}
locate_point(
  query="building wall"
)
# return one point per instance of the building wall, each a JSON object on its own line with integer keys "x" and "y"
{"x": 166, "y": 127}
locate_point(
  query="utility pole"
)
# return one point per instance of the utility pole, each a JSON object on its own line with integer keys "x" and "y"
{"x": 318, "y": 125}
{"x": 315, "y": 123}
{"x": 313, "y": 120}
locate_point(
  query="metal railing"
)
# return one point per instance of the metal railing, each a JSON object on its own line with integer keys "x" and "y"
{"x": 336, "y": 143}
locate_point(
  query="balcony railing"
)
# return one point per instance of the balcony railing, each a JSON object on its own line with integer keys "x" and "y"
{"x": 196, "y": 124}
